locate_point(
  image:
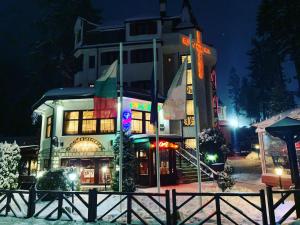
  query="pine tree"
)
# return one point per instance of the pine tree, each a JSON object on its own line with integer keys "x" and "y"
{"x": 129, "y": 165}
{"x": 9, "y": 163}
{"x": 234, "y": 90}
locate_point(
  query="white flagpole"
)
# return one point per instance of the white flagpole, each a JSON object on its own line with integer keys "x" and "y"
{"x": 156, "y": 123}
{"x": 196, "y": 118}
{"x": 120, "y": 117}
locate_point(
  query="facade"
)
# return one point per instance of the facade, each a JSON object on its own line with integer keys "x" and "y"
{"x": 70, "y": 136}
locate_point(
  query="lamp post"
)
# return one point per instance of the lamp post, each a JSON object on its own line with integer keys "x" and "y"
{"x": 279, "y": 172}
{"x": 104, "y": 171}
{"x": 72, "y": 177}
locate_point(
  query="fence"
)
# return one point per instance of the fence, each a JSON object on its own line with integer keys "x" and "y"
{"x": 147, "y": 208}
{"x": 284, "y": 194}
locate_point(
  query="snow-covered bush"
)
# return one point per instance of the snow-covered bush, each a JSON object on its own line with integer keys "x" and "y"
{"x": 9, "y": 162}
{"x": 57, "y": 179}
{"x": 225, "y": 181}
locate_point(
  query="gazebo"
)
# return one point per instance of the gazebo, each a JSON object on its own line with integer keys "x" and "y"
{"x": 279, "y": 148}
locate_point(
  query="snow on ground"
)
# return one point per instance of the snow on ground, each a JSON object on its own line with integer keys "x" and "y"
{"x": 247, "y": 175}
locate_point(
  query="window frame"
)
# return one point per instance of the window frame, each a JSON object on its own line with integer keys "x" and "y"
{"x": 144, "y": 121}
{"x": 80, "y": 124}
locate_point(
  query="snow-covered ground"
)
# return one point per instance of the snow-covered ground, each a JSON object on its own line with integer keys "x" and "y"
{"x": 248, "y": 180}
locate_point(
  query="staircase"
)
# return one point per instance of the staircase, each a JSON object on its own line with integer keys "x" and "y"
{"x": 186, "y": 164}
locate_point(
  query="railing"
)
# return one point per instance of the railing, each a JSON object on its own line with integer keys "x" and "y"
{"x": 193, "y": 160}
{"x": 283, "y": 196}
{"x": 214, "y": 205}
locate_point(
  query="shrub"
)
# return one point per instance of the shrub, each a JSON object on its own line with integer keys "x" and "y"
{"x": 56, "y": 180}
{"x": 225, "y": 181}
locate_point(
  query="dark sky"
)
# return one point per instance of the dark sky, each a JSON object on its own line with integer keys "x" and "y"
{"x": 228, "y": 25}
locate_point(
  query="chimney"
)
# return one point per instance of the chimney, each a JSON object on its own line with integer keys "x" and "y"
{"x": 162, "y": 7}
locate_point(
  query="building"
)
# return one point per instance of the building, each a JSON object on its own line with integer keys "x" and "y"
{"x": 67, "y": 113}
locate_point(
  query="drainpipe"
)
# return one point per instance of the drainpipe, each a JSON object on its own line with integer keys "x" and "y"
{"x": 51, "y": 135}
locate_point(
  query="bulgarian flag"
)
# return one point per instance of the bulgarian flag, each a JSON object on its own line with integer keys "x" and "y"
{"x": 105, "y": 100}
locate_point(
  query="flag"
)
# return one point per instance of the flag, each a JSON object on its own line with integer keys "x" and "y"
{"x": 105, "y": 99}
{"x": 154, "y": 93}
{"x": 174, "y": 107}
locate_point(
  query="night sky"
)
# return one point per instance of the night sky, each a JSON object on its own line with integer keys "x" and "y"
{"x": 228, "y": 25}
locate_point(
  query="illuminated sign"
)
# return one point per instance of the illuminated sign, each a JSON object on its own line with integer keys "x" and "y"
{"x": 165, "y": 145}
{"x": 142, "y": 106}
{"x": 85, "y": 144}
{"x": 126, "y": 120}
{"x": 200, "y": 49}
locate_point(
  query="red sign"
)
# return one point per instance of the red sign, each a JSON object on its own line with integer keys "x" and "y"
{"x": 165, "y": 145}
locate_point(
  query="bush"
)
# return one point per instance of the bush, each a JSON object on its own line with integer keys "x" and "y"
{"x": 225, "y": 181}
{"x": 56, "y": 180}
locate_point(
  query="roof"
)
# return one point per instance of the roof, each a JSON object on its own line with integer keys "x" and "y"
{"x": 82, "y": 93}
{"x": 284, "y": 126}
{"x": 292, "y": 114}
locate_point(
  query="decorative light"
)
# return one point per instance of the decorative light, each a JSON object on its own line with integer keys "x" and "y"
{"x": 165, "y": 145}
{"x": 256, "y": 146}
{"x": 212, "y": 157}
{"x": 279, "y": 171}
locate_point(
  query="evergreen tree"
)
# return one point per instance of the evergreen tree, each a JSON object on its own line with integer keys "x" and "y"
{"x": 234, "y": 90}
{"x": 9, "y": 163}
{"x": 279, "y": 20}
{"x": 129, "y": 165}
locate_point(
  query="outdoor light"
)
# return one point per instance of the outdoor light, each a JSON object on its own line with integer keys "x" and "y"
{"x": 212, "y": 157}
{"x": 72, "y": 176}
{"x": 256, "y": 146}
{"x": 279, "y": 171}
{"x": 234, "y": 123}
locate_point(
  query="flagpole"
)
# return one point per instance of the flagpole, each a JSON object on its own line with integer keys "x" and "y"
{"x": 156, "y": 122}
{"x": 120, "y": 117}
{"x": 196, "y": 118}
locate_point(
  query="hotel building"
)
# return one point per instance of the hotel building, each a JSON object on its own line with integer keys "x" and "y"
{"x": 71, "y": 136}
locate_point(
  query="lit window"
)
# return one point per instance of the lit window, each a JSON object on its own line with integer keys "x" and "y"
{"x": 190, "y": 143}
{"x": 189, "y": 82}
{"x": 49, "y": 127}
{"x": 89, "y": 124}
{"x": 71, "y": 122}
{"x": 149, "y": 126}
{"x": 107, "y": 125}
{"x": 189, "y": 121}
{"x": 183, "y": 57}
{"x": 137, "y": 122}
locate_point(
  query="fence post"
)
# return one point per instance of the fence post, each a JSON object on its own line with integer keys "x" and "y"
{"x": 263, "y": 207}
{"x": 218, "y": 209}
{"x": 8, "y": 200}
{"x": 92, "y": 210}
{"x": 31, "y": 202}
{"x": 60, "y": 205}
{"x": 168, "y": 213}
{"x": 270, "y": 206}
{"x": 174, "y": 215}
{"x": 129, "y": 208}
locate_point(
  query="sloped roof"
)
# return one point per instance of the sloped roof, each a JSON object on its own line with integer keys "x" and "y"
{"x": 291, "y": 114}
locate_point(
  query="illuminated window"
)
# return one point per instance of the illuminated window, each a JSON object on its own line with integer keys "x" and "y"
{"x": 49, "y": 127}
{"x": 183, "y": 57}
{"x": 89, "y": 124}
{"x": 189, "y": 82}
{"x": 71, "y": 122}
{"x": 190, "y": 143}
{"x": 137, "y": 122}
{"x": 149, "y": 126}
{"x": 107, "y": 126}
{"x": 189, "y": 121}
{"x": 83, "y": 122}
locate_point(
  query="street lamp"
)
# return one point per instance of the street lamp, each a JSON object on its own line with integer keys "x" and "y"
{"x": 279, "y": 172}
{"x": 72, "y": 178}
{"x": 104, "y": 171}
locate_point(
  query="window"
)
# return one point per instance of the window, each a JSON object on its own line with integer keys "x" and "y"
{"x": 83, "y": 122}
{"x": 141, "y": 123}
{"x": 142, "y": 55}
{"x": 79, "y": 63}
{"x": 137, "y": 122}
{"x": 190, "y": 143}
{"x": 189, "y": 121}
{"x": 78, "y": 36}
{"x": 189, "y": 82}
{"x": 92, "y": 61}
{"x": 89, "y": 124}
{"x": 49, "y": 127}
{"x": 142, "y": 28}
{"x": 183, "y": 57}
{"x": 108, "y": 58}
{"x": 71, "y": 122}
